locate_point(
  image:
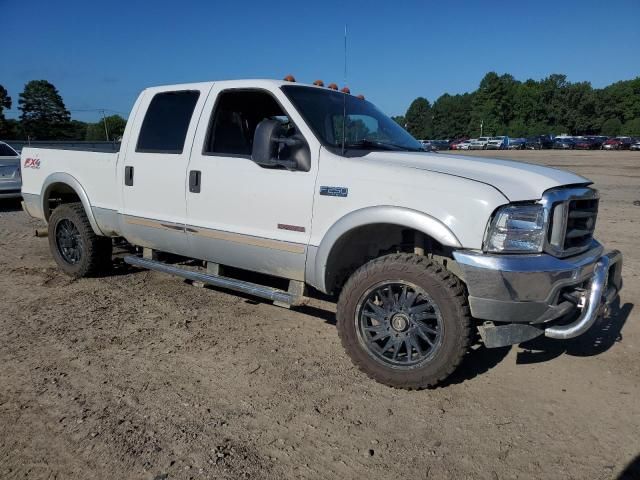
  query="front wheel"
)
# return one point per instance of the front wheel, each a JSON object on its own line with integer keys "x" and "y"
{"x": 77, "y": 250}
{"x": 404, "y": 321}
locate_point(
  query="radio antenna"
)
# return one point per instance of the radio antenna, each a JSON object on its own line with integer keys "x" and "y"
{"x": 344, "y": 99}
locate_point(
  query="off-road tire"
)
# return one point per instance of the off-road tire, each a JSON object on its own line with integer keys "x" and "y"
{"x": 444, "y": 288}
{"x": 97, "y": 250}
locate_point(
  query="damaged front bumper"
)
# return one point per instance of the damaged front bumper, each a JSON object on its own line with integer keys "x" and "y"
{"x": 530, "y": 295}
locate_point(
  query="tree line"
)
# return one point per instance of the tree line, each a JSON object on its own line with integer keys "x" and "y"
{"x": 44, "y": 116}
{"x": 506, "y": 106}
{"x": 502, "y": 105}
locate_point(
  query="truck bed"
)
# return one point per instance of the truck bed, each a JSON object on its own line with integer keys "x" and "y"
{"x": 95, "y": 171}
{"x": 108, "y": 148}
{"x": 89, "y": 146}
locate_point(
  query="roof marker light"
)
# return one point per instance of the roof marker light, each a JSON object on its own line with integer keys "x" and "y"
{"x": 345, "y": 90}
{"x": 319, "y": 83}
{"x": 333, "y": 86}
{"x": 360, "y": 96}
{"x": 289, "y": 78}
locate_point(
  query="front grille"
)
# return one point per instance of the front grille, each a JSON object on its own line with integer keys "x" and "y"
{"x": 572, "y": 220}
{"x": 581, "y": 222}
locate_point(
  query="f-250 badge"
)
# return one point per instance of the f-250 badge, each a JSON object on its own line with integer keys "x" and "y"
{"x": 334, "y": 191}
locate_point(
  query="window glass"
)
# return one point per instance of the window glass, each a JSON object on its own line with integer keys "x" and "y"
{"x": 366, "y": 127}
{"x": 166, "y": 122}
{"x": 7, "y": 151}
{"x": 236, "y": 116}
{"x": 358, "y": 128}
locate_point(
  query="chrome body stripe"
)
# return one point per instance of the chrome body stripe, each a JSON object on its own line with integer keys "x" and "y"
{"x": 263, "y": 242}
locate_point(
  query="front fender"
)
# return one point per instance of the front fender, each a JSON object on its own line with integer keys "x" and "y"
{"x": 405, "y": 217}
{"x": 69, "y": 180}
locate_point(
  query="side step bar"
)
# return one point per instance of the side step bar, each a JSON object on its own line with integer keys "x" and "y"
{"x": 280, "y": 297}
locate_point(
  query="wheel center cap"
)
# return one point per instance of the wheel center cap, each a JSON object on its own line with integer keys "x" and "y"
{"x": 400, "y": 322}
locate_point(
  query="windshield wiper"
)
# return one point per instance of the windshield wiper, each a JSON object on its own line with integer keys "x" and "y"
{"x": 367, "y": 143}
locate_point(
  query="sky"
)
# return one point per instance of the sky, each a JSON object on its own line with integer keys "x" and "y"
{"x": 100, "y": 55}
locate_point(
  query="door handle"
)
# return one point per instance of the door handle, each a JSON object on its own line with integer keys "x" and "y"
{"x": 195, "y": 181}
{"x": 128, "y": 176}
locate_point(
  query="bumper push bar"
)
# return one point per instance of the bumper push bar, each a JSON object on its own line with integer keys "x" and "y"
{"x": 596, "y": 300}
{"x": 509, "y": 294}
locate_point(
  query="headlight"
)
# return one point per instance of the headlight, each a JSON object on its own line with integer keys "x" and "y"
{"x": 516, "y": 228}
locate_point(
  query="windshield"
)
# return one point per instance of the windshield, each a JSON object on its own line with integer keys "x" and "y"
{"x": 367, "y": 128}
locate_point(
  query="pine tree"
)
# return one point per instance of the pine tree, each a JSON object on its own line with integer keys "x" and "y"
{"x": 44, "y": 115}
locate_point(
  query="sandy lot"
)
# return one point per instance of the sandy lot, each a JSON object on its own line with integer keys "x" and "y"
{"x": 140, "y": 375}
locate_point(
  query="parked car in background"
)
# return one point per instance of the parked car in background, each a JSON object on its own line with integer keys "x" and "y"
{"x": 454, "y": 144}
{"x": 617, "y": 143}
{"x": 516, "y": 144}
{"x": 635, "y": 145}
{"x": 465, "y": 144}
{"x": 586, "y": 143}
{"x": 498, "y": 143}
{"x": 564, "y": 143}
{"x": 10, "y": 175}
{"x": 539, "y": 142}
{"x": 440, "y": 144}
{"x": 479, "y": 144}
{"x": 427, "y": 145}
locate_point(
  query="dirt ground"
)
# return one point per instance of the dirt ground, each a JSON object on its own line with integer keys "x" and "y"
{"x": 140, "y": 375}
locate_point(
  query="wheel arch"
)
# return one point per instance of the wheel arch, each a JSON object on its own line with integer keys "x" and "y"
{"x": 320, "y": 277}
{"x": 61, "y": 182}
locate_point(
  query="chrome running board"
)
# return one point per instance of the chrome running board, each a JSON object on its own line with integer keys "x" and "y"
{"x": 280, "y": 297}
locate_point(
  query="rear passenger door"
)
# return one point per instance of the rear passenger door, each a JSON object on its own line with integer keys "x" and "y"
{"x": 153, "y": 170}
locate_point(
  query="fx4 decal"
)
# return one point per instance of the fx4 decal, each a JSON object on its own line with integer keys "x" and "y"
{"x": 32, "y": 163}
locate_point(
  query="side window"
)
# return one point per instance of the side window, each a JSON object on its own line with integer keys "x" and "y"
{"x": 166, "y": 122}
{"x": 235, "y": 118}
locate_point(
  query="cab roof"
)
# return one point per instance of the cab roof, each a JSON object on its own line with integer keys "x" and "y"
{"x": 239, "y": 83}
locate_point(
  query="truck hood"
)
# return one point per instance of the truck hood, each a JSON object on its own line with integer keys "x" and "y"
{"x": 517, "y": 181}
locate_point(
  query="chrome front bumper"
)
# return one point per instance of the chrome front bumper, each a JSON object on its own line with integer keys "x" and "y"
{"x": 537, "y": 289}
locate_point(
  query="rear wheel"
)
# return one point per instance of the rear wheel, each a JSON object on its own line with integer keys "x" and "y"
{"x": 77, "y": 250}
{"x": 404, "y": 321}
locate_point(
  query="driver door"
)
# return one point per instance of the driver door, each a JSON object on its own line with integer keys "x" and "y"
{"x": 238, "y": 212}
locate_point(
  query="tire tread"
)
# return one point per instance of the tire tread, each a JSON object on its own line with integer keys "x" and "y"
{"x": 406, "y": 262}
{"x": 97, "y": 249}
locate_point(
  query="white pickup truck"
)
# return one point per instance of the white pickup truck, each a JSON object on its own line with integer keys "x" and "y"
{"x": 272, "y": 177}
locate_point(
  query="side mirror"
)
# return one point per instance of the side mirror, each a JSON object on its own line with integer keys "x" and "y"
{"x": 269, "y": 143}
